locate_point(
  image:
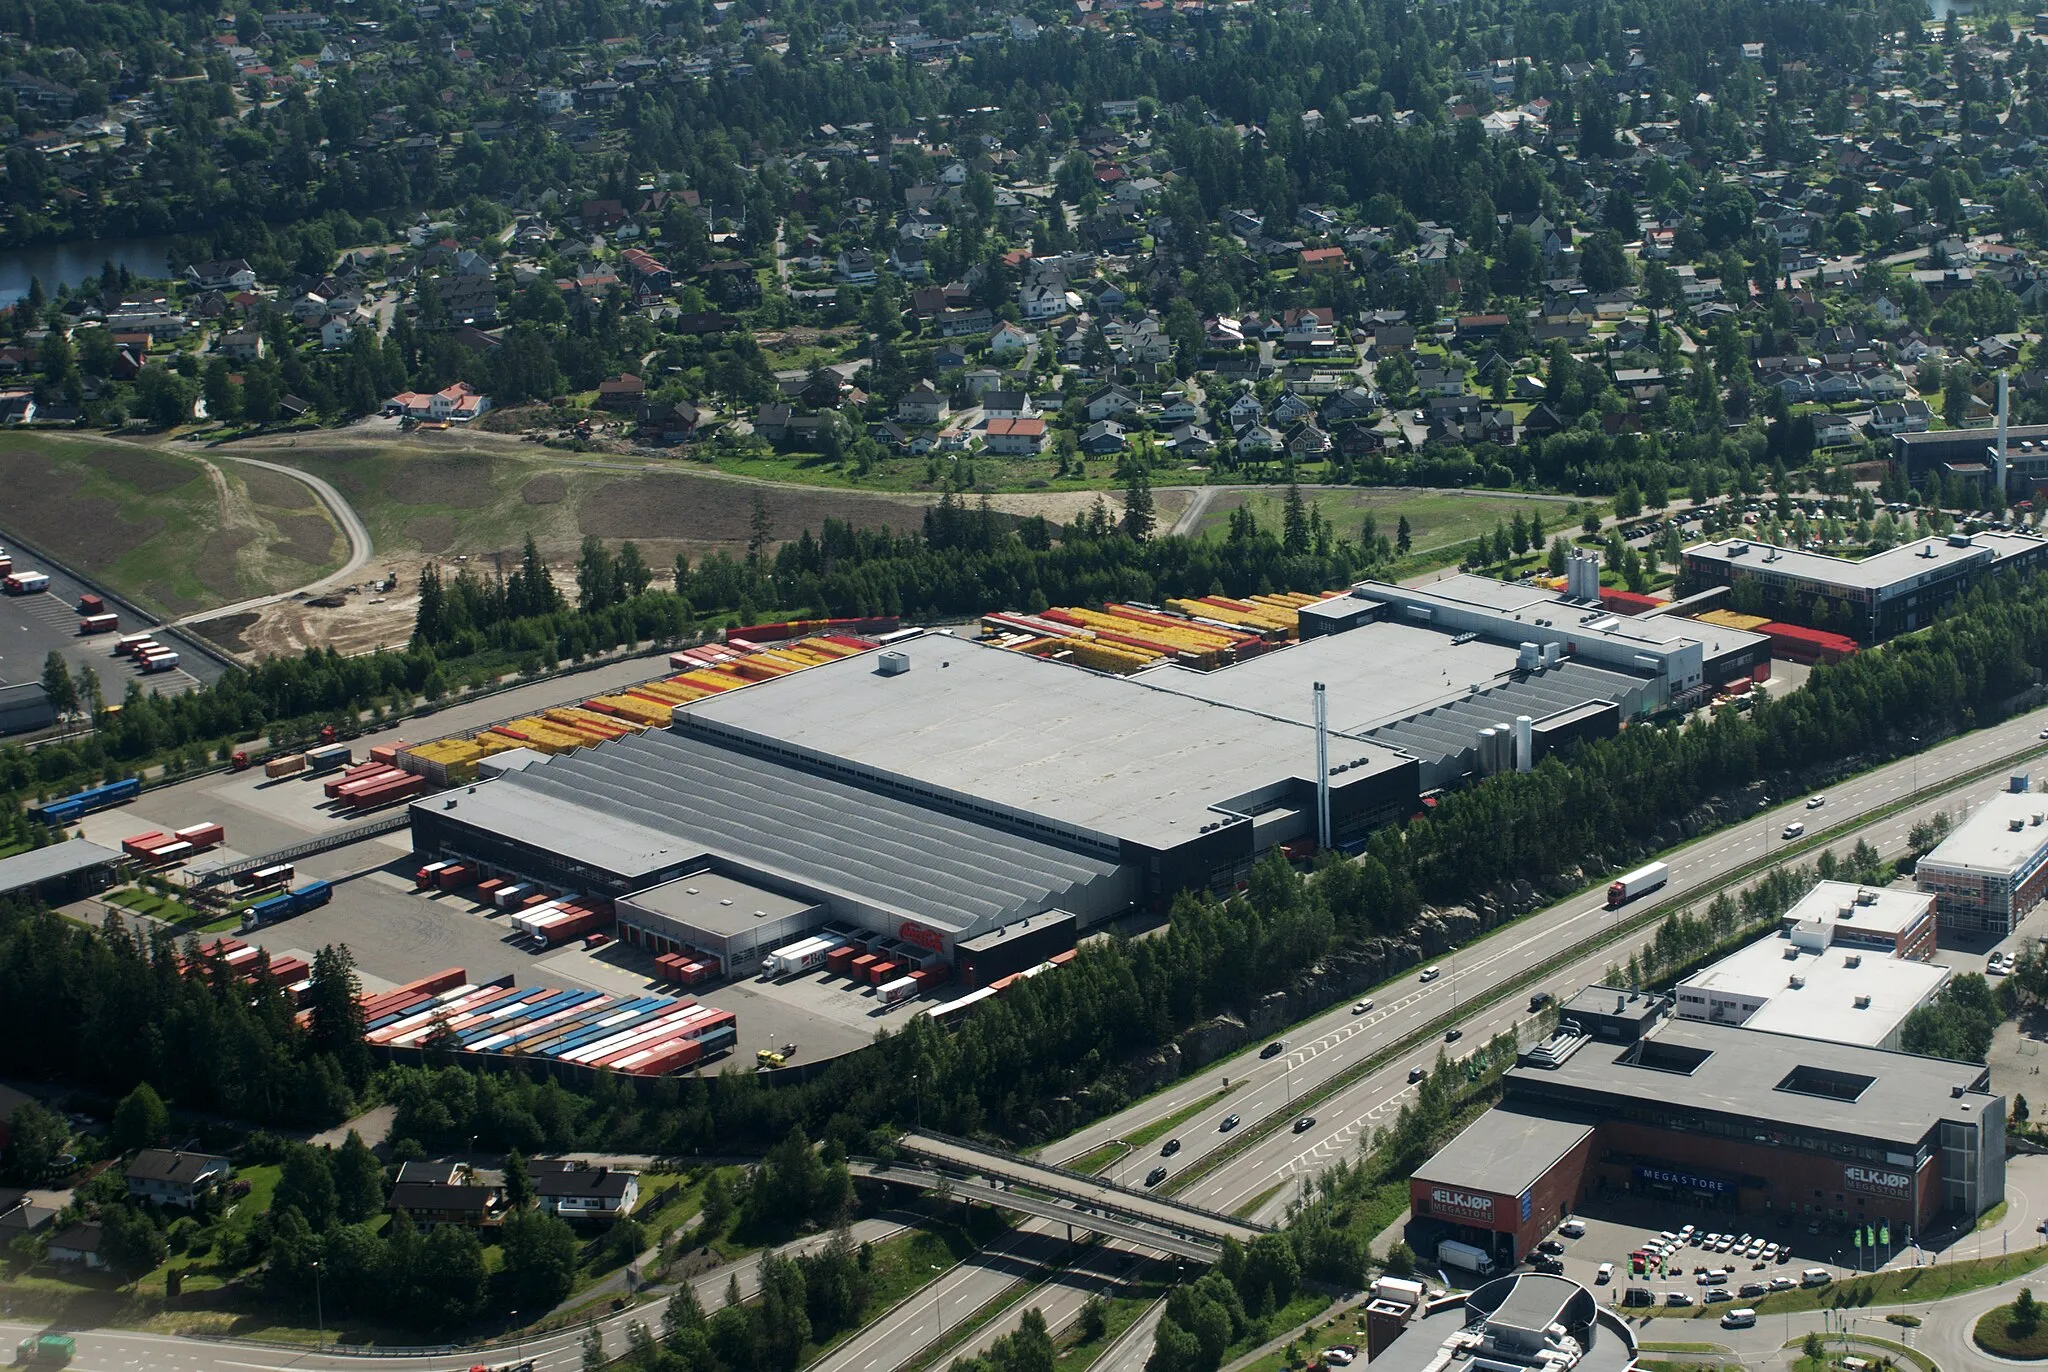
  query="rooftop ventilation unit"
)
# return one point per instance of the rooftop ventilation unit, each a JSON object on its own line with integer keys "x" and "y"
{"x": 892, "y": 664}
{"x": 1863, "y": 1002}
{"x": 1798, "y": 983}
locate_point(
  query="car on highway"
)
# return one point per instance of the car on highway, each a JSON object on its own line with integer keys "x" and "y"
{"x": 1539, "y": 1000}
{"x": 2042, "y": 734}
{"x": 1274, "y": 1049}
{"x": 1815, "y": 802}
{"x": 1155, "y": 1176}
{"x": 1171, "y": 1147}
{"x": 1360, "y": 1007}
{"x": 1792, "y": 830}
{"x": 1431, "y": 973}
{"x": 1304, "y": 1124}
{"x": 1415, "y": 1074}
{"x": 1229, "y": 1123}
{"x": 1453, "y": 1035}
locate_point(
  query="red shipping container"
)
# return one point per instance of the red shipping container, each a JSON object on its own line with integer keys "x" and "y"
{"x": 140, "y": 845}
{"x": 670, "y": 1057}
{"x": 489, "y": 885}
{"x": 202, "y": 835}
{"x": 839, "y": 959}
{"x": 881, "y": 972}
{"x": 537, "y": 898}
{"x": 449, "y": 878}
{"x": 1062, "y": 959}
{"x": 858, "y": 968}
{"x": 384, "y": 752}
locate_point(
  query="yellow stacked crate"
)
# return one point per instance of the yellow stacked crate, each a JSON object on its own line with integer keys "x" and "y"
{"x": 636, "y": 709}
{"x": 1108, "y": 657}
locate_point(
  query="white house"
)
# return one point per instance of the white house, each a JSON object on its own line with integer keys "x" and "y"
{"x": 573, "y": 1192}
{"x": 172, "y": 1177}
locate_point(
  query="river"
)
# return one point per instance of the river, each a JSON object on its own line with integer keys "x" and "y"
{"x": 71, "y": 264}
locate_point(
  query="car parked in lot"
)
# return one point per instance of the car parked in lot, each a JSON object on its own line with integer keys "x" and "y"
{"x": 1782, "y": 1284}
{"x": 1604, "y": 1275}
{"x": 1752, "y": 1289}
{"x": 1550, "y": 1246}
{"x": 1572, "y": 1229}
{"x": 1677, "y": 1299}
{"x": 1717, "y": 1295}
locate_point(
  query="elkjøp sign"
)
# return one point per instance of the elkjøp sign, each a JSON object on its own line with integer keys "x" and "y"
{"x": 1464, "y": 1204}
{"x": 1876, "y": 1181}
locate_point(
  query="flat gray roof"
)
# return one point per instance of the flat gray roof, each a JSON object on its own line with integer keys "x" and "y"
{"x": 721, "y": 904}
{"x": 1875, "y": 573}
{"x": 1504, "y": 1151}
{"x": 1740, "y": 1075}
{"x": 651, "y": 803}
{"x": 1375, "y": 673}
{"x": 1849, "y": 995}
{"x": 1986, "y": 842}
{"x": 39, "y": 865}
{"x": 1849, "y": 906}
{"x": 1100, "y": 758}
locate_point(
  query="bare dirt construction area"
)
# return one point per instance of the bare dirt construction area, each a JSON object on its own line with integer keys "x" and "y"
{"x": 171, "y": 531}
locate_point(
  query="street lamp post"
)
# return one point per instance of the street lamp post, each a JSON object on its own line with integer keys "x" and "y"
{"x": 939, "y": 1299}
{"x": 319, "y": 1304}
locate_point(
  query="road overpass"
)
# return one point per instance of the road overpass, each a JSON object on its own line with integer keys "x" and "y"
{"x": 1042, "y": 1207}
{"x": 1104, "y": 1197}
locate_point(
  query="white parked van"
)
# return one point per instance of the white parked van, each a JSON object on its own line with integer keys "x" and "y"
{"x": 1816, "y": 1276}
{"x": 1739, "y": 1319}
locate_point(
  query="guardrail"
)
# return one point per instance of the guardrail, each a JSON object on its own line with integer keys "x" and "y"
{"x": 1643, "y": 918}
{"x": 325, "y": 843}
{"x": 1093, "y": 1183}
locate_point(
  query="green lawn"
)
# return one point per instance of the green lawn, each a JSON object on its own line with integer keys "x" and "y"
{"x": 153, "y": 525}
{"x": 1074, "y": 1350}
{"x": 1302, "y": 1310}
{"x": 1911, "y": 1285}
{"x": 908, "y": 1262}
{"x": 172, "y": 911}
{"x": 1998, "y": 1333}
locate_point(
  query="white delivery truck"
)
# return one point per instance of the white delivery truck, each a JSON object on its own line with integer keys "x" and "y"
{"x": 1477, "y": 1261}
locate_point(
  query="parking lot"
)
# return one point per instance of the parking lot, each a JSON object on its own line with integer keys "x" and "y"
{"x": 31, "y": 626}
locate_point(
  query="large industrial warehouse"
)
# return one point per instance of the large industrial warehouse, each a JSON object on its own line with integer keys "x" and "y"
{"x": 941, "y": 791}
{"x": 1627, "y": 1101}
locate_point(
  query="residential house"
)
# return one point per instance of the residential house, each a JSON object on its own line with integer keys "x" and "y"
{"x": 965, "y": 323}
{"x": 1900, "y": 417}
{"x": 172, "y": 1177}
{"x": 1008, "y": 340}
{"x": 856, "y": 267}
{"x": 1259, "y": 439}
{"x": 1108, "y": 402}
{"x": 1435, "y": 381}
{"x": 1245, "y": 410}
{"x": 1041, "y": 299}
{"x": 20, "y": 1217}
{"x": 573, "y": 1191}
{"x": 1833, "y": 430}
{"x": 459, "y": 1199}
{"x": 922, "y": 404}
{"x": 244, "y": 345}
{"x": 1106, "y": 436}
{"x": 1008, "y": 404}
{"x": 456, "y": 404}
{"x": 622, "y": 392}
{"x": 1322, "y": 262}
{"x": 230, "y": 274}
{"x": 674, "y": 422}
{"x": 1015, "y": 437}
{"x": 78, "y": 1246}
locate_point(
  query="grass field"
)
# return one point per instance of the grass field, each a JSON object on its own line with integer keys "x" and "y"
{"x": 1999, "y": 1333}
{"x": 1437, "y": 519}
{"x": 170, "y": 531}
{"x": 1900, "y": 1286}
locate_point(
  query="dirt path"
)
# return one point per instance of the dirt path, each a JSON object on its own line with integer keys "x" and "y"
{"x": 352, "y": 528}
